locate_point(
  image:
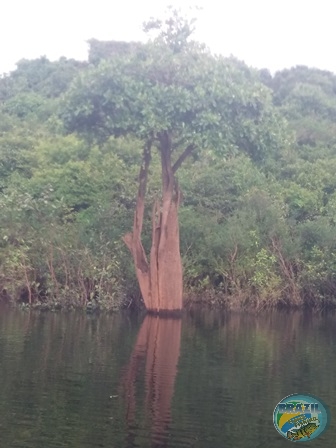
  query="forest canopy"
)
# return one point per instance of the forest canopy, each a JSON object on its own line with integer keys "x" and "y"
{"x": 257, "y": 211}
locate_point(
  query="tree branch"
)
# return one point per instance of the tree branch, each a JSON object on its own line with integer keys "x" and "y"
{"x": 189, "y": 149}
{"x": 165, "y": 151}
{"x": 140, "y": 204}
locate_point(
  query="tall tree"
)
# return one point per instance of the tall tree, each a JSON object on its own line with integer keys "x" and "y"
{"x": 180, "y": 100}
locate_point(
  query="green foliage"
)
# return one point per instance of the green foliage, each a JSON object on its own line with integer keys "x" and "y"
{"x": 24, "y": 104}
{"x": 104, "y": 50}
{"x": 210, "y": 102}
{"x": 265, "y": 279}
{"x": 50, "y": 79}
{"x": 15, "y": 155}
{"x": 173, "y": 31}
{"x": 307, "y": 97}
{"x": 258, "y": 215}
{"x": 51, "y": 259}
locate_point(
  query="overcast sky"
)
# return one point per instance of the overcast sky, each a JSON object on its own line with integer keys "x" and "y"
{"x": 265, "y": 33}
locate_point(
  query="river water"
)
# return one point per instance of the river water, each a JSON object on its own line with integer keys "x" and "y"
{"x": 210, "y": 380}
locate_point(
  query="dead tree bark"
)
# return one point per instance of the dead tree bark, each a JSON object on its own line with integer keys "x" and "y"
{"x": 133, "y": 240}
{"x": 160, "y": 279}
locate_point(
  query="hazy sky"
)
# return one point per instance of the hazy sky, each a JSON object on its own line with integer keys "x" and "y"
{"x": 265, "y": 33}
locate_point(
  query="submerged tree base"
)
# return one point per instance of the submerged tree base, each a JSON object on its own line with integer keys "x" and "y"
{"x": 166, "y": 313}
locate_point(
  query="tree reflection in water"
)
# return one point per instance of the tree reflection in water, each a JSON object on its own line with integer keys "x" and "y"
{"x": 158, "y": 347}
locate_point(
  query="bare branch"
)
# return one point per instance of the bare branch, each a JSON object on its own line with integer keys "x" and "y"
{"x": 140, "y": 203}
{"x": 189, "y": 149}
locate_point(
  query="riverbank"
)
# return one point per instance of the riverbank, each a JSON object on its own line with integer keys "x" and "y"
{"x": 208, "y": 299}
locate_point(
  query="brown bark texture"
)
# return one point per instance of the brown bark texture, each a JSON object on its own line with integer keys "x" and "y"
{"x": 160, "y": 278}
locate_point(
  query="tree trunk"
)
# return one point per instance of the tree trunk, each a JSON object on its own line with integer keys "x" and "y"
{"x": 160, "y": 279}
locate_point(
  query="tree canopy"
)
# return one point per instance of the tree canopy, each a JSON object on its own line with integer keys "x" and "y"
{"x": 255, "y": 156}
{"x": 201, "y": 100}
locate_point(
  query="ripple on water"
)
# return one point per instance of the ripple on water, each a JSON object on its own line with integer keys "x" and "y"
{"x": 80, "y": 382}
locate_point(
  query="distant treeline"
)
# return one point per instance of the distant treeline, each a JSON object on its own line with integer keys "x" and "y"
{"x": 257, "y": 223}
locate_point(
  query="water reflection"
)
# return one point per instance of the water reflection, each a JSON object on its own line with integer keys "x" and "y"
{"x": 78, "y": 381}
{"x": 158, "y": 348}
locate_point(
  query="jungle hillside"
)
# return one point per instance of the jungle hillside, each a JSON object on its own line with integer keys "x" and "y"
{"x": 252, "y": 171}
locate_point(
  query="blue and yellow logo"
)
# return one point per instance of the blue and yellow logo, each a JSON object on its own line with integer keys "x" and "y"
{"x": 301, "y": 418}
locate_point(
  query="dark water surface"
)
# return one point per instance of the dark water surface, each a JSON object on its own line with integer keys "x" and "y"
{"x": 211, "y": 380}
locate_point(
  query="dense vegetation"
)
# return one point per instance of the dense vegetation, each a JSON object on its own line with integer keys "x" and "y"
{"x": 257, "y": 220}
